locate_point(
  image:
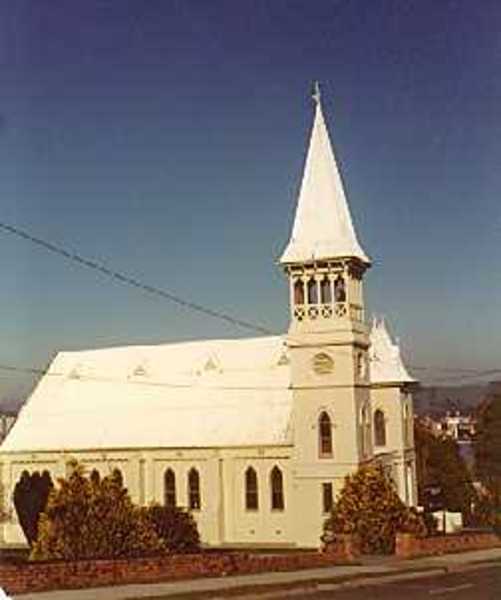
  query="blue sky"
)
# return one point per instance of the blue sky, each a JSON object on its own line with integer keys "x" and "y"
{"x": 167, "y": 140}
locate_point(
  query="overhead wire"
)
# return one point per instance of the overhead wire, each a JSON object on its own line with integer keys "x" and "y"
{"x": 188, "y": 304}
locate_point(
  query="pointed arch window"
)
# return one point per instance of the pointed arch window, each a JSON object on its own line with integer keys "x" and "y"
{"x": 340, "y": 289}
{"x": 170, "y": 488}
{"x": 325, "y": 291}
{"x": 251, "y": 490}
{"x": 365, "y": 432}
{"x": 325, "y": 435}
{"x": 194, "y": 498}
{"x": 379, "y": 428}
{"x": 277, "y": 489}
{"x": 312, "y": 289}
{"x": 298, "y": 291}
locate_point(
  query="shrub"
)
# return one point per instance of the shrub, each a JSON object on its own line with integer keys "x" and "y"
{"x": 90, "y": 517}
{"x": 370, "y": 508}
{"x": 176, "y": 528}
{"x": 30, "y": 499}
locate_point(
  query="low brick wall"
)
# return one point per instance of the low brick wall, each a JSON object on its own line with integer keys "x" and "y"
{"x": 408, "y": 546}
{"x": 31, "y": 577}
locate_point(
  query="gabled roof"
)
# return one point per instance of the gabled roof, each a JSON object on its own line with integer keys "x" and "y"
{"x": 214, "y": 393}
{"x": 386, "y": 364}
{"x": 323, "y": 228}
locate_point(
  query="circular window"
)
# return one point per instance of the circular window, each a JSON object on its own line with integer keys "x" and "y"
{"x": 323, "y": 364}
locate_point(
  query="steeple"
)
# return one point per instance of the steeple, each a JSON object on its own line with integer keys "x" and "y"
{"x": 386, "y": 364}
{"x": 323, "y": 229}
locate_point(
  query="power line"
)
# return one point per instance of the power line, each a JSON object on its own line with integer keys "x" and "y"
{"x": 167, "y": 295}
{"x": 139, "y": 380}
{"x": 128, "y": 280}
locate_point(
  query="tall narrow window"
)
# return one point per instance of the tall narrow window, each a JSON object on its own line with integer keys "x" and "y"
{"x": 325, "y": 291}
{"x": 365, "y": 432}
{"x": 194, "y": 501}
{"x": 170, "y": 488}
{"x": 277, "y": 489}
{"x": 312, "y": 291}
{"x": 339, "y": 290}
{"x": 379, "y": 428}
{"x": 298, "y": 291}
{"x": 325, "y": 435}
{"x": 327, "y": 497}
{"x": 251, "y": 490}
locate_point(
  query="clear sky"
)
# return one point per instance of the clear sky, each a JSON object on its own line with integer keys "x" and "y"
{"x": 166, "y": 138}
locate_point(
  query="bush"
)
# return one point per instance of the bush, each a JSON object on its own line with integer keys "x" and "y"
{"x": 90, "y": 517}
{"x": 176, "y": 528}
{"x": 370, "y": 508}
{"x": 30, "y": 499}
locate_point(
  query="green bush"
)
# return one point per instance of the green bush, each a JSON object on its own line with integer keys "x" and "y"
{"x": 90, "y": 517}
{"x": 369, "y": 508}
{"x": 176, "y": 528}
{"x": 30, "y": 499}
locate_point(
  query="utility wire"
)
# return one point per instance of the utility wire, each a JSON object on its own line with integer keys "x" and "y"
{"x": 136, "y": 283}
{"x": 128, "y": 280}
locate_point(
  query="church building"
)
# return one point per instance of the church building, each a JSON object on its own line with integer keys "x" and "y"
{"x": 253, "y": 435}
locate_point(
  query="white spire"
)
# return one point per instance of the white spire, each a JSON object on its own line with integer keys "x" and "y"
{"x": 322, "y": 228}
{"x": 386, "y": 364}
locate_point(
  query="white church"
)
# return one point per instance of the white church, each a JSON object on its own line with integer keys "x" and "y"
{"x": 253, "y": 435}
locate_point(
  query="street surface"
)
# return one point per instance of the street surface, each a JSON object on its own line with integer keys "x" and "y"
{"x": 481, "y": 584}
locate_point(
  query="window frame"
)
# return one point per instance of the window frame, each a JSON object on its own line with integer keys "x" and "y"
{"x": 325, "y": 438}
{"x": 170, "y": 488}
{"x": 277, "y": 495}
{"x": 251, "y": 489}
{"x": 194, "y": 492}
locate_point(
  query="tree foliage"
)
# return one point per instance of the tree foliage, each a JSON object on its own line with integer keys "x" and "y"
{"x": 488, "y": 444}
{"x": 30, "y": 499}
{"x": 176, "y": 528}
{"x": 93, "y": 517}
{"x": 439, "y": 465}
{"x": 370, "y": 508}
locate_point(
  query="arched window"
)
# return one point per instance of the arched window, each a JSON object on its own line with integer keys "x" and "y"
{"x": 170, "y": 488}
{"x": 298, "y": 291}
{"x": 325, "y": 435}
{"x": 365, "y": 431}
{"x": 117, "y": 476}
{"x": 312, "y": 291}
{"x": 194, "y": 501}
{"x": 277, "y": 489}
{"x": 379, "y": 428}
{"x": 251, "y": 490}
{"x": 325, "y": 291}
{"x": 339, "y": 289}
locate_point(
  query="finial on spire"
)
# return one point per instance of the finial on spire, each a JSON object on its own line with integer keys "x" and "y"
{"x": 316, "y": 92}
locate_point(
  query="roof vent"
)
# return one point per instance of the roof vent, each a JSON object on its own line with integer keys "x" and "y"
{"x": 139, "y": 371}
{"x": 283, "y": 360}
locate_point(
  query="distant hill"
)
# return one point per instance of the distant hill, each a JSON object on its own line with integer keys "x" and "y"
{"x": 435, "y": 399}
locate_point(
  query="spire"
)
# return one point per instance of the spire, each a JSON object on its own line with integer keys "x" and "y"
{"x": 322, "y": 227}
{"x": 385, "y": 360}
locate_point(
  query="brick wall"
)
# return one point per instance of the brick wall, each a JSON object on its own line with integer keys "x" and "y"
{"x": 31, "y": 577}
{"x": 408, "y": 546}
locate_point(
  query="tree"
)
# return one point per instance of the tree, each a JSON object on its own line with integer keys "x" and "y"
{"x": 90, "y": 517}
{"x": 370, "y": 508}
{"x": 176, "y": 528}
{"x": 440, "y": 467}
{"x": 488, "y": 444}
{"x": 30, "y": 499}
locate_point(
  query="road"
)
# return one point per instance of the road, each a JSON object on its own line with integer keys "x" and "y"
{"x": 479, "y": 584}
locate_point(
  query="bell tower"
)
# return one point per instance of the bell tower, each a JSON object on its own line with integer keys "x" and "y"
{"x": 328, "y": 338}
